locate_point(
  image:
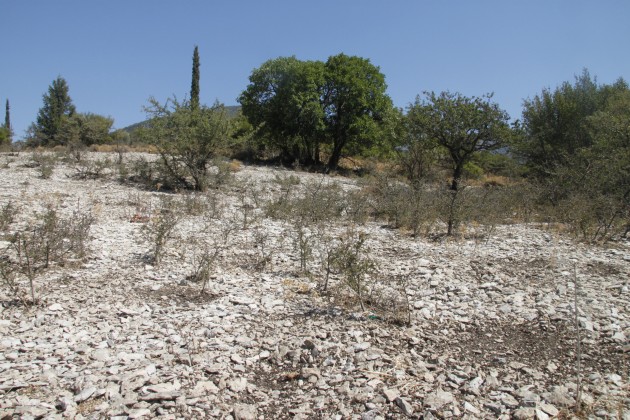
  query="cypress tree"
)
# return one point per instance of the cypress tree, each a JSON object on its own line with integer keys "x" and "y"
{"x": 194, "y": 86}
{"x": 7, "y": 120}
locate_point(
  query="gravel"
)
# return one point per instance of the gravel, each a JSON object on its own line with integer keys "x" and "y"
{"x": 492, "y": 332}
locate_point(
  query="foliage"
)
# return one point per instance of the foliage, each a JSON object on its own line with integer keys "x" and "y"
{"x": 356, "y": 105}
{"x": 592, "y": 190}
{"x": 194, "y": 85}
{"x": 462, "y": 127}
{"x": 556, "y": 122}
{"x": 283, "y": 102}
{"x": 6, "y": 128}
{"x": 300, "y": 106}
{"x": 187, "y": 140}
{"x": 54, "y": 240}
{"x": 94, "y": 129}
{"x": 5, "y": 137}
{"x": 57, "y": 105}
{"x": 576, "y": 143}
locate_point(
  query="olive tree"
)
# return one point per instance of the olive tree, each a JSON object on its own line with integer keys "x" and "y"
{"x": 461, "y": 126}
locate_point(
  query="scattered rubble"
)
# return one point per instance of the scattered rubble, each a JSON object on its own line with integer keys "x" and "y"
{"x": 492, "y": 331}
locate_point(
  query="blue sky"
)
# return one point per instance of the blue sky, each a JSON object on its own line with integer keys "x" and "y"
{"x": 116, "y": 54}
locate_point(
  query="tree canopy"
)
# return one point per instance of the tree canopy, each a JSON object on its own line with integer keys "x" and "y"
{"x": 194, "y": 84}
{"x": 555, "y": 122}
{"x": 300, "y": 106}
{"x": 187, "y": 139}
{"x": 57, "y": 105}
{"x": 461, "y": 125}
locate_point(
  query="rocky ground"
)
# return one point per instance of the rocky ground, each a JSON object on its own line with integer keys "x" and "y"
{"x": 492, "y": 331}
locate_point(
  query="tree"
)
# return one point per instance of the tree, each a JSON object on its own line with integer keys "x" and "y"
{"x": 299, "y": 106}
{"x": 94, "y": 128}
{"x": 555, "y": 122}
{"x": 186, "y": 139}
{"x": 283, "y": 102}
{"x": 194, "y": 86}
{"x": 355, "y": 105}
{"x": 461, "y": 126}
{"x": 57, "y": 105}
{"x": 7, "y": 121}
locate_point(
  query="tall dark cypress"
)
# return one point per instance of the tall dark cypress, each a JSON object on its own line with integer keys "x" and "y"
{"x": 194, "y": 86}
{"x": 7, "y": 120}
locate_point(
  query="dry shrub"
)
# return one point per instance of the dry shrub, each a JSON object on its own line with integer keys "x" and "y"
{"x": 7, "y": 215}
{"x": 594, "y": 217}
{"x": 54, "y": 240}
{"x": 160, "y": 227}
{"x": 45, "y": 162}
{"x": 403, "y": 206}
{"x": 92, "y": 168}
{"x": 349, "y": 259}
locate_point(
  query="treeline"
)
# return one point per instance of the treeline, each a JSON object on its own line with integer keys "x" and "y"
{"x": 568, "y": 157}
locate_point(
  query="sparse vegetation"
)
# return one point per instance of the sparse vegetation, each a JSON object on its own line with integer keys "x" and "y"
{"x": 160, "y": 227}
{"x": 54, "y": 240}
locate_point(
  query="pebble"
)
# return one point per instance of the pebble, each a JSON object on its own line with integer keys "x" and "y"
{"x": 139, "y": 341}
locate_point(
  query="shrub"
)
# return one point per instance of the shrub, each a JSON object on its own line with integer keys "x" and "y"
{"x": 7, "y": 215}
{"x": 350, "y": 259}
{"x": 54, "y": 240}
{"x": 160, "y": 227}
{"x": 187, "y": 139}
{"x": 45, "y": 162}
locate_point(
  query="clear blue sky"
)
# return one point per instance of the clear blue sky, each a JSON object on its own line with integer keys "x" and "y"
{"x": 116, "y": 54}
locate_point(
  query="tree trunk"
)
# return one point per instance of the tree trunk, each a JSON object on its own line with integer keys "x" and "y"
{"x": 454, "y": 190}
{"x": 457, "y": 175}
{"x": 333, "y": 161}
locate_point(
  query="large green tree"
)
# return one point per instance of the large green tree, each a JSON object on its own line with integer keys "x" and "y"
{"x": 57, "y": 105}
{"x": 283, "y": 101}
{"x": 5, "y": 129}
{"x": 194, "y": 85}
{"x": 299, "y": 106}
{"x": 355, "y": 105}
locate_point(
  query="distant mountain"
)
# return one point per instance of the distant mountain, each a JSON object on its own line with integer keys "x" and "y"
{"x": 230, "y": 111}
